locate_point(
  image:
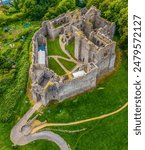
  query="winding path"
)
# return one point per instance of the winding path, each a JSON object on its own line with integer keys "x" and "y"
{"x": 21, "y": 132}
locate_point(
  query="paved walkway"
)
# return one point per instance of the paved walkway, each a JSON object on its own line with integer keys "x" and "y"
{"x": 21, "y": 132}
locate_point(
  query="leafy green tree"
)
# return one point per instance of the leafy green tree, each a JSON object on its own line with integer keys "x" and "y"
{"x": 65, "y": 5}
{"x": 62, "y": 7}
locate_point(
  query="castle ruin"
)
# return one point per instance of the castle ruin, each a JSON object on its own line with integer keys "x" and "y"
{"x": 94, "y": 49}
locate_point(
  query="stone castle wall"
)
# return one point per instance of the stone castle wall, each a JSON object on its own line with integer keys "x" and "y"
{"x": 70, "y": 88}
{"x": 93, "y": 44}
{"x": 76, "y": 86}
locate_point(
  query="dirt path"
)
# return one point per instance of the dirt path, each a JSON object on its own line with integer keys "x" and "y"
{"x": 79, "y": 122}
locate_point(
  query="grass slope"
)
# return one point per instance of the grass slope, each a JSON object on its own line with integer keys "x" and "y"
{"x": 109, "y": 133}
{"x": 53, "y": 65}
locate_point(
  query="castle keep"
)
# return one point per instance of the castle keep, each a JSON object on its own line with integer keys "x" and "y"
{"x": 94, "y": 50}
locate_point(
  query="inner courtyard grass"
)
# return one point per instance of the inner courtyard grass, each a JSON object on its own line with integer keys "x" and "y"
{"x": 67, "y": 64}
{"x": 54, "y": 48}
{"x": 70, "y": 47}
{"x": 53, "y": 65}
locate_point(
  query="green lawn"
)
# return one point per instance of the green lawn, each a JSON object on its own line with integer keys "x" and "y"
{"x": 53, "y": 65}
{"x": 70, "y": 47}
{"x": 67, "y": 64}
{"x": 54, "y": 48}
{"x": 107, "y": 134}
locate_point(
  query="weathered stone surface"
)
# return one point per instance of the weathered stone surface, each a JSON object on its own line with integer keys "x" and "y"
{"x": 94, "y": 48}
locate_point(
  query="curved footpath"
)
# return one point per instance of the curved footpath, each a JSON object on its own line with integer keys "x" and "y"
{"x": 21, "y": 132}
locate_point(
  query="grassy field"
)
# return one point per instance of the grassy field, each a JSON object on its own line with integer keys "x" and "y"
{"x": 107, "y": 134}
{"x": 70, "y": 47}
{"x": 67, "y": 64}
{"x": 54, "y": 48}
{"x": 53, "y": 65}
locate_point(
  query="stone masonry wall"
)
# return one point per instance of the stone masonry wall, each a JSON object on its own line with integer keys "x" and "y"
{"x": 63, "y": 90}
